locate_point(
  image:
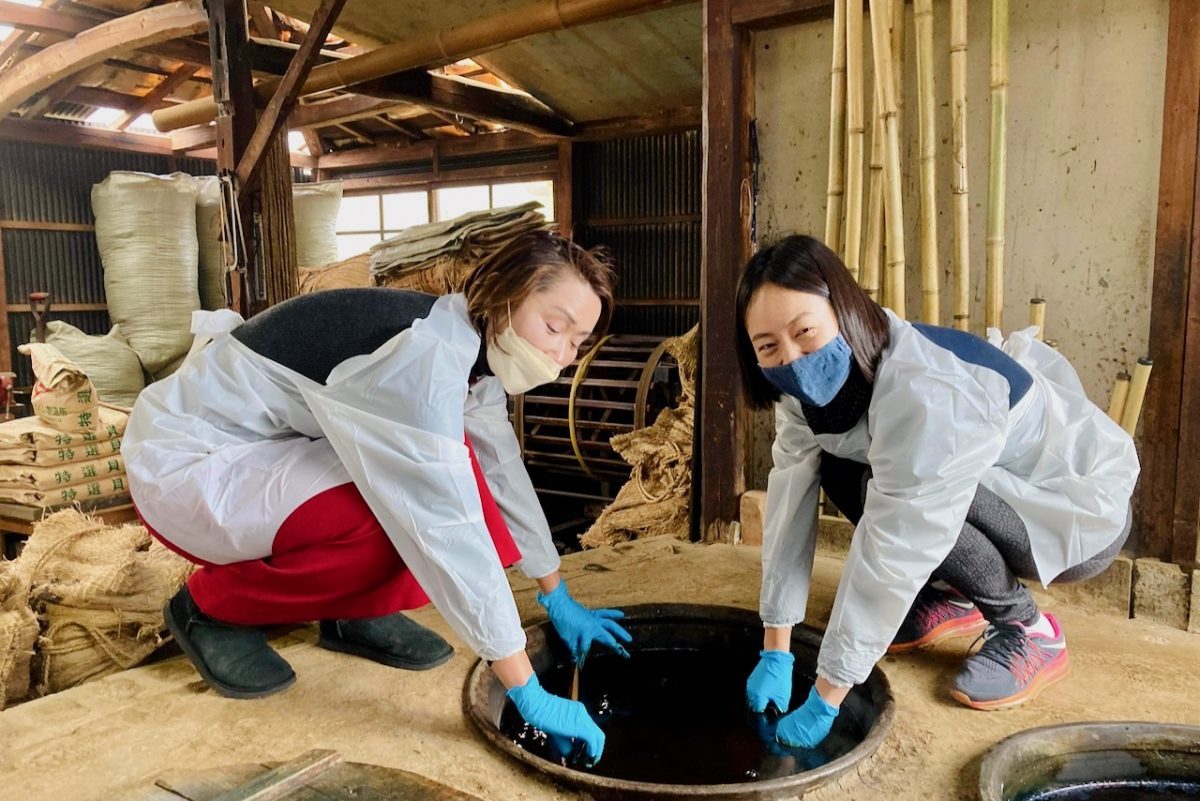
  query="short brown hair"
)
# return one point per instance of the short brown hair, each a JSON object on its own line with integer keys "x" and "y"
{"x": 804, "y": 264}
{"x": 530, "y": 263}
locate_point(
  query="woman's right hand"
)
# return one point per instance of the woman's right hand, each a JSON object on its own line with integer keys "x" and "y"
{"x": 562, "y": 720}
{"x": 771, "y": 681}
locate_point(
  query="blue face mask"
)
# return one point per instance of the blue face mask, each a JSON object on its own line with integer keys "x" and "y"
{"x": 816, "y": 378}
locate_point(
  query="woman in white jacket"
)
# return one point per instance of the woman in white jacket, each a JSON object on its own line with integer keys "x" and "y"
{"x": 348, "y": 454}
{"x": 965, "y": 466}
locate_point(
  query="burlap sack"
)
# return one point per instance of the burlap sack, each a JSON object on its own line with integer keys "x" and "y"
{"x": 63, "y": 396}
{"x": 113, "y": 366}
{"x": 315, "y": 206}
{"x": 656, "y": 500}
{"x": 212, "y": 250}
{"x": 346, "y": 274}
{"x": 18, "y": 632}
{"x": 30, "y": 432}
{"x": 99, "y": 591}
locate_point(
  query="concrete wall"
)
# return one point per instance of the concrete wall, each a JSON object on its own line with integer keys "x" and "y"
{"x": 1085, "y": 105}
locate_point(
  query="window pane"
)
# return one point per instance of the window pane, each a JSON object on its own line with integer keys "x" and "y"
{"x": 404, "y": 209}
{"x": 455, "y": 200}
{"x": 354, "y": 244}
{"x": 518, "y": 193}
{"x": 359, "y": 213}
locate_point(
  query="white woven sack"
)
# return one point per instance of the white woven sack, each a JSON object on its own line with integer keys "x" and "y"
{"x": 316, "y": 208}
{"x": 146, "y": 232}
{"x": 113, "y": 366}
{"x": 212, "y": 252}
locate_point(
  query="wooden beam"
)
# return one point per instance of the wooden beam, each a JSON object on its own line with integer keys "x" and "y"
{"x": 1175, "y": 270}
{"x": 263, "y": 19}
{"x": 156, "y": 96}
{"x": 721, "y": 411}
{"x": 396, "y": 151}
{"x": 765, "y": 14}
{"x": 95, "y": 96}
{"x": 58, "y": 133}
{"x": 150, "y": 25}
{"x": 677, "y": 119}
{"x": 288, "y": 92}
{"x": 41, "y": 19}
{"x": 312, "y": 141}
{"x": 51, "y": 97}
{"x": 10, "y": 51}
{"x": 452, "y": 95}
{"x": 346, "y": 108}
{"x": 431, "y": 49}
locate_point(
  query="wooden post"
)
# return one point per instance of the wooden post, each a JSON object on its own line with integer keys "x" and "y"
{"x": 720, "y": 416}
{"x": 563, "y": 191}
{"x": 1169, "y": 495}
{"x": 275, "y": 228}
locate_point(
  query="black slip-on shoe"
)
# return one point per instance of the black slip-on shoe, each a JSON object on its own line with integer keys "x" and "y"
{"x": 236, "y": 661}
{"x": 391, "y": 640}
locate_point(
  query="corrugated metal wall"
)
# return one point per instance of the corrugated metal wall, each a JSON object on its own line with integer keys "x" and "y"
{"x": 52, "y": 184}
{"x": 640, "y": 196}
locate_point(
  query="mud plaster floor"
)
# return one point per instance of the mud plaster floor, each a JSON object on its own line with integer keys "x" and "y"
{"x": 112, "y": 738}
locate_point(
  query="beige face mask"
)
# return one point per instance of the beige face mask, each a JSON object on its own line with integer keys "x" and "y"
{"x": 519, "y": 365}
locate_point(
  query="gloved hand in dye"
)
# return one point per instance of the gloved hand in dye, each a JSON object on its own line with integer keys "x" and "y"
{"x": 781, "y": 760}
{"x": 580, "y": 627}
{"x": 771, "y": 681}
{"x": 809, "y": 724}
{"x": 565, "y": 722}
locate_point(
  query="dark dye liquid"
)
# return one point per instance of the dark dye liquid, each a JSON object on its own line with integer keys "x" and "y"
{"x": 680, "y": 717}
{"x": 1121, "y": 776}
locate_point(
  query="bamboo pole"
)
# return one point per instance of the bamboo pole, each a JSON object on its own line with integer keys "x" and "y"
{"x": 837, "y": 131}
{"x": 873, "y": 247}
{"x": 893, "y": 208}
{"x": 426, "y": 49}
{"x": 1120, "y": 392}
{"x": 997, "y": 167}
{"x": 1137, "y": 394}
{"x": 896, "y": 35}
{"x": 855, "y": 131}
{"x": 958, "y": 183}
{"x": 1037, "y": 316}
{"x": 927, "y": 132}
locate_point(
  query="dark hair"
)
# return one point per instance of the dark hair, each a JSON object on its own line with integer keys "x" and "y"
{"x": 806, "y": 265}
{"x": 530, "y": 263}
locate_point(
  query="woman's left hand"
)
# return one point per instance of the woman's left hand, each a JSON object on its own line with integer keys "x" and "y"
{"x": 580, "y": 627}
{"x": 808, "y": 725}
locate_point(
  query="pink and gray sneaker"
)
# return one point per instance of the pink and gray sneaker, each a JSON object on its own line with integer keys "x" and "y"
{"x": 1014, "y": 664}
{"x": 936, "y": 615}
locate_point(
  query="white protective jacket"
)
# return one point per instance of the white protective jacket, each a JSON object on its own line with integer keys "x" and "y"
{"x": 220, "y": 453}
{"x": 936, "y": 428}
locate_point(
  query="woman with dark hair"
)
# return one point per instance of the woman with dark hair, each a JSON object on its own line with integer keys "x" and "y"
{"x": 965, "y": 466}
{"x": 348, "y": 454}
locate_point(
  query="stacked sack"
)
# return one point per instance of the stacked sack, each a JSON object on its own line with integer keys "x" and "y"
{"x": 70, "y": 451}
{"x": 438, "y": 257}
{"x": 98, "y": 592}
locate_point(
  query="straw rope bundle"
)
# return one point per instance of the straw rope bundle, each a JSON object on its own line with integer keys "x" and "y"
{"x": 345, "y": 274}
{"x": 656, "y": 499}
{"x": 445, "y": 274}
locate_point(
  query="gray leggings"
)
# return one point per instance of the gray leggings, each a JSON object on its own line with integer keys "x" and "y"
{"x": 992, "y": 551}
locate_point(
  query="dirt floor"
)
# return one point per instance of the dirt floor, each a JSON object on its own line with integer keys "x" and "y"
{"x": 112, "y": 738}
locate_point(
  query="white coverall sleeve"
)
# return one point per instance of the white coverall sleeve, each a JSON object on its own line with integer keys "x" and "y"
{"x": 790, "y": 525}
{"x": 499, "y": 453}
{"x": 934, "y": 431}
{"x": 395, "y": 419}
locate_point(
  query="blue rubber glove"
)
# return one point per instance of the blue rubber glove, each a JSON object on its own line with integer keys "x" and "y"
{"x": 771, "y": 681}
{"x": 808, "y": 725}
{"x": 579, "y": 626}
{"x": 562, "y": 720}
